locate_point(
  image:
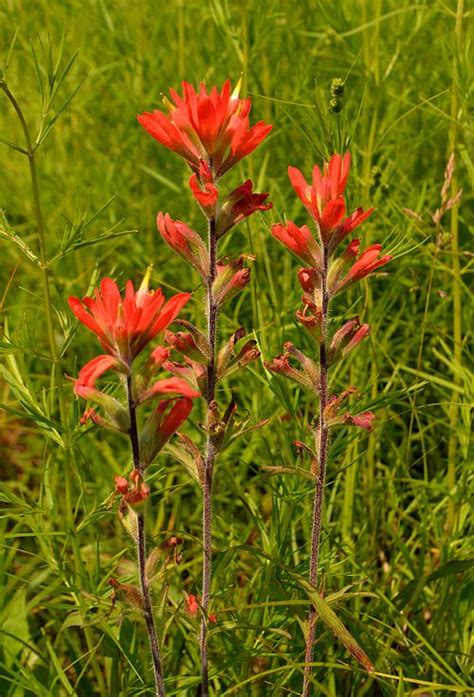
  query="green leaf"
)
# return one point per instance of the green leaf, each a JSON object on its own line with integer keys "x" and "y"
{"x": 332, "y": 621}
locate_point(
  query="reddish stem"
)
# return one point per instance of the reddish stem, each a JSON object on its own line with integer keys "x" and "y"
{"x": 210, "y": 456}
{"x": 141, "y": 553}
{"x": 321, "y": 436}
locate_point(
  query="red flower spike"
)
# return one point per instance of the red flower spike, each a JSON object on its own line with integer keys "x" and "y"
{"x": 324, "y": 199}
{"x": 300, "y": 241}
{"x": 238, "y": 205}
{"x": 212, "y": 126}
{"x": 184, "y": 241}
{"x": 124, "y": 326}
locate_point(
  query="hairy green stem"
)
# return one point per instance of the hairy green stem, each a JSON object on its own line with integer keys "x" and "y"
{"x": 210, "y": 456}
{"x": 321, "y": 436}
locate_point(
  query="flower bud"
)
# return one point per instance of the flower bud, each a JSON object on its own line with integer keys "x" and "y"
{"x": 162, "y": 423}
{"x": 231, "y": 279}
{"x": 367, "y": 262}
{"x": 281, "y": 365}
{"x": 184, "y": 343}
{"x": 185, "y": 241}
{"x": 311, "y": 319}
{"x": 346, "y": 339}
{"x": 192, "y": 372}
{"x": 238, "y": 205}
{"x": 133, "y": 493}
{"x": 308, "y": 365}
{"x": 300, "y": 241}
{"x": 229, "y": 360}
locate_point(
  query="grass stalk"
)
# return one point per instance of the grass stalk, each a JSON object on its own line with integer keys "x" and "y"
{"x": 455, "y": 289}
{"x": 31, "y": 154}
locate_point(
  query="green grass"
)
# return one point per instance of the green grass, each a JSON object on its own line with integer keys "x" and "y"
{"x": 396, "y": 546}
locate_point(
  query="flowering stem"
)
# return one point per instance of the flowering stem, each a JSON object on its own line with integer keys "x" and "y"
{"x": 321, "y": 436}
{"x": 141, "y": 552}
{"x": 210, "y": 455}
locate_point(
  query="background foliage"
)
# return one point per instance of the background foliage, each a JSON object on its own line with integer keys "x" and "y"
{"x": 396, "y": 548}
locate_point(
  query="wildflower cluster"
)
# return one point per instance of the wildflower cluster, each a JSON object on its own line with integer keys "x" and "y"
{"x": 211, "y": 131}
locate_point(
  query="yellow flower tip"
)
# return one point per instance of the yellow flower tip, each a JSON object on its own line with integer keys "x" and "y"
{"x": 169, "y": 106}
{"x": 143, "y": 290}
{"x": 235, "y": 94}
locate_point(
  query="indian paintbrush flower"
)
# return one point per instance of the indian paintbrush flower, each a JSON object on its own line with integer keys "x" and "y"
{"x": 320, "y": 281}
{"x": 211, "y": 126}
{"x": 212, "y": 132}
{"x": 125, "y": 325}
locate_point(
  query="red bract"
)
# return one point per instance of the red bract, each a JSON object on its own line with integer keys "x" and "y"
{"x": 162, "y": 423}
{"x": 232, "y": 277}
{"x": 324, "y": 199}
{"x": 124, "y": 326}
{"x": 239, "y": 204}
{"x": 84, "y": 385}
{"x": 204, "y": 190}
{"x": 192, "y": 605}
{"x": 135, "y": 493}
{"x": 300, "y": 241}
{"x": 212, "y": 126}
{"x": 368, "y": 261}
{"x": 347, "y": 338}
{"x": 185, "y": 241}
{"x": 168, "y": 386}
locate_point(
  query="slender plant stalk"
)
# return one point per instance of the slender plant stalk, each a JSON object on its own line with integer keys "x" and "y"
{"x": 30, "y": 152}
{"x": 321, "y": 436}
{"x": 456, "y": 292}
{"x": 212, "y": 311}
{"x": 141, "y": 552}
